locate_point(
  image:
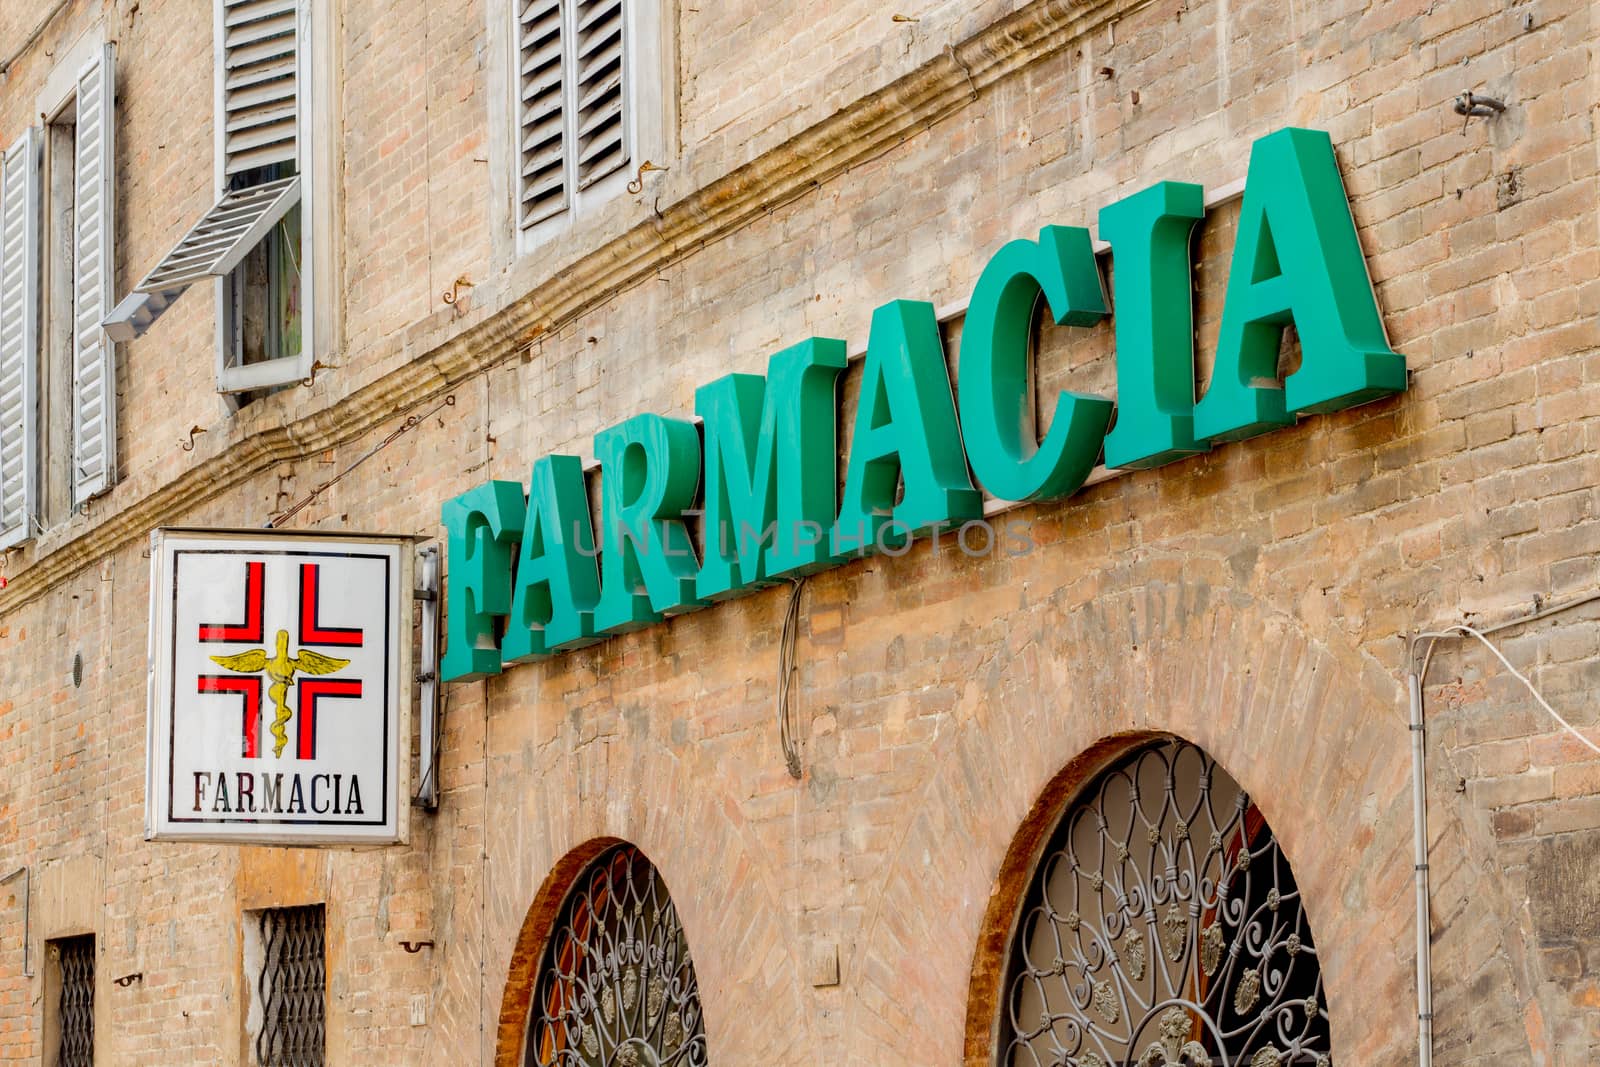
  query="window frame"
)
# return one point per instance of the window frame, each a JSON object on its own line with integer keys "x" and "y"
{"x": 288, "y": 370}
{"x": 649, "y": 116}
{"x": 1212, "y": 832}
{"x": 594, "y": 876}
{"x": 316, "y": 159}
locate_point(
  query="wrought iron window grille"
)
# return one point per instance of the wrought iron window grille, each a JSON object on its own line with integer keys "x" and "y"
{"x": 1163, "y": 927}
{"x": 616, "y": 986}
{"x": 293, "y": 988}
{"x": 74, "y": 957}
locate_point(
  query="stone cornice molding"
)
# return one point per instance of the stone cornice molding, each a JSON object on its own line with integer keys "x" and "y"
{"x": 443, "y": 351}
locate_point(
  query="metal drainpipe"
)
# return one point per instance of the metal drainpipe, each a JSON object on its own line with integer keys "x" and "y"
{"x": 1419, "y": 809}
{"x": 1419, "y": 813}
{"x": 27, "y": 908}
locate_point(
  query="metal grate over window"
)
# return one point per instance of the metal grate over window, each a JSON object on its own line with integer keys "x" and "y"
{"x": 76, "y": 960}
{"x": 1163, "y": 926}
{"x": 292, "y": 987}
{"x": 616, "y": 987}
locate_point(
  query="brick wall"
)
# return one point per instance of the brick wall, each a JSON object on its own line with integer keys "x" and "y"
{"x": 1252, "y": 599}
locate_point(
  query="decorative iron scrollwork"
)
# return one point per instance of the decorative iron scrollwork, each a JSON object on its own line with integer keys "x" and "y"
{"x": 616, "y": 987}
{"x": 1163, "y": 928}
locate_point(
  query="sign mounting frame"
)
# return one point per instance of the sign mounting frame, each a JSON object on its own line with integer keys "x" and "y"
{"x": 280, "y": 686}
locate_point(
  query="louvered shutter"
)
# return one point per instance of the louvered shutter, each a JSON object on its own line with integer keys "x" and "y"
{"x": 542, "y": 181}
{"x": 223, "y": 236}
{"x": 19, "y": 324}
{"x": 94, "y": 407}
{"x": 258, "y": 98}
{"x": 260, "y": 69}
{"x": 217, "y": 244}
{"x": 601, "y": 93}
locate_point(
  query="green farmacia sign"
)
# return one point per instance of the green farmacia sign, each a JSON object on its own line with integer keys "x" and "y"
{"x": 761, "y": 468}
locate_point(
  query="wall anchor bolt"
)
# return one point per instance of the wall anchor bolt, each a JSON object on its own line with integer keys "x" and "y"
{"x": 636, "y": 183}
{"x": 453, "y": 295}
{"x": 1469, "y": 105}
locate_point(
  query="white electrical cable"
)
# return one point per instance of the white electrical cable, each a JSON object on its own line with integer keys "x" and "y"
{"x": 1449, "y": 631}
{"x": 1414, "y": 681}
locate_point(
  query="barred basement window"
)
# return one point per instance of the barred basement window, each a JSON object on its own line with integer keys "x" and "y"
{"x": 73, "y": 960}
{"x": 292, "y": 988}
{"x": 616, "y": 986}
{"x": 1163, "y": 926}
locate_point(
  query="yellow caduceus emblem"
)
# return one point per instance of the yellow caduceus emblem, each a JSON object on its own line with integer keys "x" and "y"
{"x": 281, "y": 668}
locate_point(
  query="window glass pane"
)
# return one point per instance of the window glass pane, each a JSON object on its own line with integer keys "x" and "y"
{"x": 267, "y": 306}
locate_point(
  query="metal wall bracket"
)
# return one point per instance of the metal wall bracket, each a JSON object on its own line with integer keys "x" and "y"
{"x": 427, "y": 595}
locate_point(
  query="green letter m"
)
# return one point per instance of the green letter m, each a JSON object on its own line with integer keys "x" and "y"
{"x": 771, "y": 453}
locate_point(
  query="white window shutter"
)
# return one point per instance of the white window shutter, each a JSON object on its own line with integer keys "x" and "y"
{"x": 19, "y": 327}
{"x": 541, "y": 124}
{"x": 94, "y": 381}
{"x": 260, "y": 73}
{"x": 223, "y": 236}
{"x": 258, "y": 55}
{"x": 602, "y": 146}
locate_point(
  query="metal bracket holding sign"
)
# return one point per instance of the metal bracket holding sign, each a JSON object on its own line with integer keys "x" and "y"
{"x": 427, "y": 594}
{"x": 280, "y": 687}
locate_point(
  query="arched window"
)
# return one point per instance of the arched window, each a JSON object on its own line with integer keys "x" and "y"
{"x": 1162, "y": 927}
{"x": 616, "y": 987}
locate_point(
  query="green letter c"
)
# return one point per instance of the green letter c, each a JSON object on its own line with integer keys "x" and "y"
{"x": 993, "y": 373}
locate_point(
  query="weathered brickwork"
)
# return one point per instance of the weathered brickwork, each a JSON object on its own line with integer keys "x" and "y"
{"x": 1253, "y": 600}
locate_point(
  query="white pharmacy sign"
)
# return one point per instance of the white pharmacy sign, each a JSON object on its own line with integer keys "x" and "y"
{"x": 280, "y": 687}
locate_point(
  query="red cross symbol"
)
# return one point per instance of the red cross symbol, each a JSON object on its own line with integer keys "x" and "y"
{"x": 257, "y": 666}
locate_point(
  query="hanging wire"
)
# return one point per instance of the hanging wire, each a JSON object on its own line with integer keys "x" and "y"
{"x": 411, "y": 423}
{"x": 786, "y": 672}
{"x": 1461, "y": 628}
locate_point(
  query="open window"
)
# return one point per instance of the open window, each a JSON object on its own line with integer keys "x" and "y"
{"x": 252, "y": 242}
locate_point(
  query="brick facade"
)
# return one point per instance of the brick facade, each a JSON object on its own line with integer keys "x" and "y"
{"x": 1253, "y": 600}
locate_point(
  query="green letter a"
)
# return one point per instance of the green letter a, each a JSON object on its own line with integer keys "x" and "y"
{"x": 556, "y": 585}
{"x": 1296, "y": 259}
{"x": 905, "y": 428}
